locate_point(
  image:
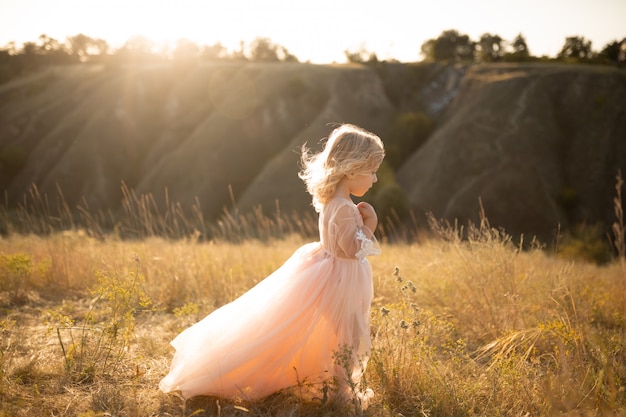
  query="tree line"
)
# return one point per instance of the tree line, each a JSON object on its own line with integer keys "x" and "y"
{"x": 449, "y": 46}
{"x": 454, "y": 47}
{"x": 16, "y": 60}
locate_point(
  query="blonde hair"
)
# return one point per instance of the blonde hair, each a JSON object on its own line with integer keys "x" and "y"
{"x": 349, "y": 150}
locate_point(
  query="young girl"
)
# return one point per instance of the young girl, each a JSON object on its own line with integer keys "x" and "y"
{"x": 307, "y": 323}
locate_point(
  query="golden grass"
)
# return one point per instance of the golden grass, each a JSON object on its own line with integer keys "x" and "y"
{"x": 472, "y": 327}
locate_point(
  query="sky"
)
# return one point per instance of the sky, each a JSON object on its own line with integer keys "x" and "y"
{"x": 319, "y": 31}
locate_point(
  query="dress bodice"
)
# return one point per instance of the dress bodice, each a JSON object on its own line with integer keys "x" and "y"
{"x": 342, "y": 232}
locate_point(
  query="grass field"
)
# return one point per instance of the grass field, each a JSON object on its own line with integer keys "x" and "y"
{"x": 461, "y": 327}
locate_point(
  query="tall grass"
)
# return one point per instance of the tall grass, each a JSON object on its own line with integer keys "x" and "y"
{"x": 464, "y": 322}
{"x": 140, "y": 216}
{"x": 479, "y": 327}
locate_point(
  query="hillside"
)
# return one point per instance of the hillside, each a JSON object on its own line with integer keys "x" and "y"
{"x": 540, "y": 145}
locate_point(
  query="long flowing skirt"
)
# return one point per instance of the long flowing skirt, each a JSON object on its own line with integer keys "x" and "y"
{"x": 305, "y": 324}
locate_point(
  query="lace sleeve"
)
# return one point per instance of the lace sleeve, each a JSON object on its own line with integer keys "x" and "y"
{"x": 368, "y": 246}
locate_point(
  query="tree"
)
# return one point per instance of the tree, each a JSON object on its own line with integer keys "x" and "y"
{"x": 213, "y": 52}
{"x": 264, "y": 50}
{"x": 520, "y": 47}
{"x": 576, "y": 47}
{"x": 84, "y": 47}
{"x": 79, "y": 46}
{"x": 100, "y": 47}
{"x": 614, "y": 52}
{"x": 362, "y": 55}
{"x": 517, "y": 51}
{"x": 11, "y": 48}
{"x": 611, "y": 51}
{"x": 490, "y": 48}
{"x": 428, "y": 49}
{"x": 48, "y": 44}
{"x": 54, "y": 51}
{"x": 450, "y": 46}
{"x": 30, "y": 49}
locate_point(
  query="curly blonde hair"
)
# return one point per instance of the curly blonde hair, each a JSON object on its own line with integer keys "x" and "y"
{"x": 349, "y": 150}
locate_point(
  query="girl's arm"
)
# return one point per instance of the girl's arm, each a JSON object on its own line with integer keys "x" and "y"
{"x": 368, "y": 214}
{"x": 354, "y": 235}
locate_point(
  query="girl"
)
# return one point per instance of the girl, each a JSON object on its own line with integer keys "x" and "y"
{"x": 307, "y": 323}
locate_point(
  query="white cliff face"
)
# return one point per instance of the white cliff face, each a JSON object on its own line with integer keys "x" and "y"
{"x": 442, "y": 89}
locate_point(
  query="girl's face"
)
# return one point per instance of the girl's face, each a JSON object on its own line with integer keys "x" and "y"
{"x": 359, "y": 184}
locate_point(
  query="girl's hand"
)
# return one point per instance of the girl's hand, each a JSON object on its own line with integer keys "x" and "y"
{"x": 368, "y": 214}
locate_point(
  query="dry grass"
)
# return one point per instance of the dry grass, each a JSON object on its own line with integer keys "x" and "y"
{"x": 460, "y": 327}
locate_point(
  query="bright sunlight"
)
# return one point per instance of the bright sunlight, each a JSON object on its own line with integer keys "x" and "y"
{"x": 319, "y": 31}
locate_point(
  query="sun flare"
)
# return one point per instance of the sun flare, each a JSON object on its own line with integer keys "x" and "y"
{"x": 167, "y": 23}
{"x": 163, "y": 22}
{"x": 320, "y": 31}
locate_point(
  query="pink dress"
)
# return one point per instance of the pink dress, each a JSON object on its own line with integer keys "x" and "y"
{"x": 289, "y": 328}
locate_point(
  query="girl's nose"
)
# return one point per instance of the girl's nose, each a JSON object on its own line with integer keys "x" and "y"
{"x": 375, "y": 178}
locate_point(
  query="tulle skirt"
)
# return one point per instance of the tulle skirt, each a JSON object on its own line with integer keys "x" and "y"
{"x": 305, "y": 325}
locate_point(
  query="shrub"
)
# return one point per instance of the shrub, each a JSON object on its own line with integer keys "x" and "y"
{"x": 588, "y": 243}
{"x": 15, "y": 271}
{"x": 408, "y": 132}
{"x": 99, "y": 344}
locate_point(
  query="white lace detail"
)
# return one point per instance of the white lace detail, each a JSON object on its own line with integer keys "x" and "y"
{"x": 368, "y": 246}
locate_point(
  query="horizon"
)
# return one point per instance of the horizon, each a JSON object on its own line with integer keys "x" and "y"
{"x": 320, "y": 32}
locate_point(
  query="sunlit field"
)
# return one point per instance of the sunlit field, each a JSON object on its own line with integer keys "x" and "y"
{"x": 460, "y": 327}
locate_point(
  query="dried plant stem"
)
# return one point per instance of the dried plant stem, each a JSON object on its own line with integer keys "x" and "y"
{"x": 618, "y": 226}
